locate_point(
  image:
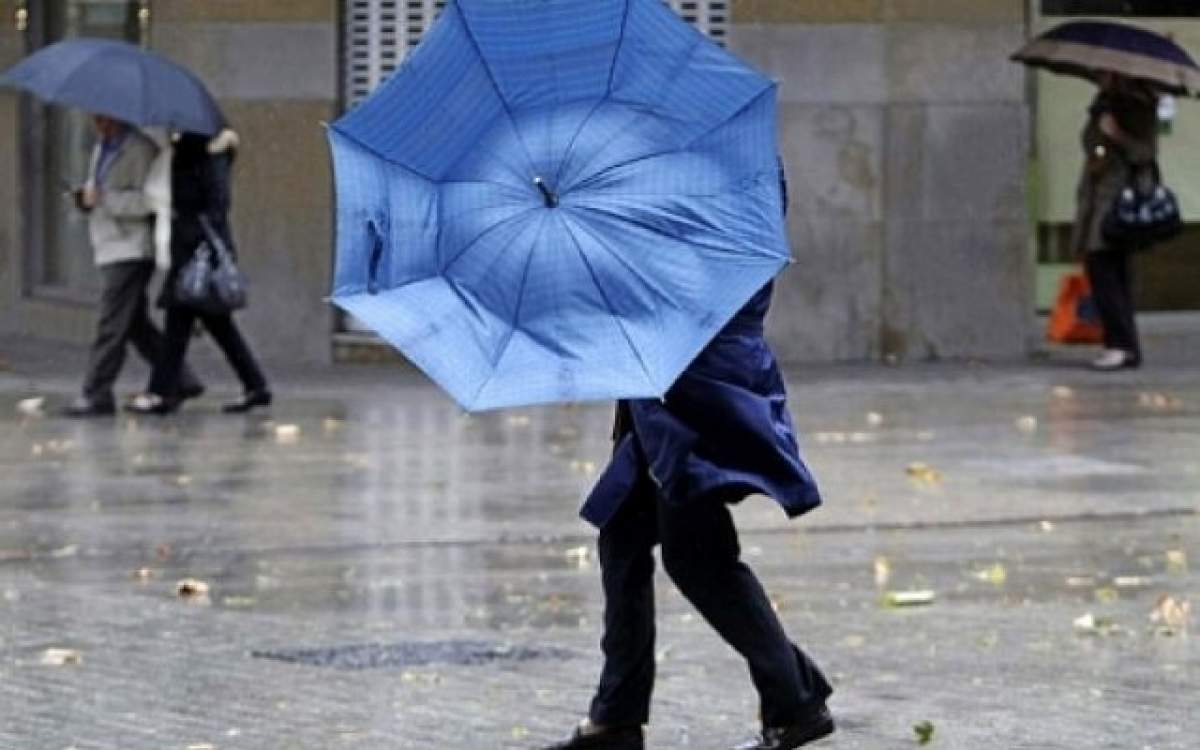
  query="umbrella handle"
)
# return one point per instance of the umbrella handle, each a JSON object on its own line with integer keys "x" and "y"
{"x": 551, "y": 198}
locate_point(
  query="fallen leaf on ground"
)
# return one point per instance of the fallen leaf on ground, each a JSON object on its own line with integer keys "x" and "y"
{"x": 1177, "y": 561}
{"x": 31, "y": 407}
{"x": 915, "y": 598}
{"x": 883, "y": 571}
{"x": 924, "y": 732}
{"x": 192, "y": 588}
{"x": 61, "y": 657}
{"x": 1171, "y": 615}
{"x": 1089, "y": 624}
{"x": 924, "y": 473}
{"x": 995, "y": 574}
{"x": 581, "y": 557}
{"x": 162, "y": 551}
{"x": 69, "y": 550}
{"x": 1107, "y": 595}
{"x": 1131, "y": 582}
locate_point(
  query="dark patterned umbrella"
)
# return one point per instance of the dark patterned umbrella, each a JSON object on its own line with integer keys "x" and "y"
{"x": 1086, "y": 48}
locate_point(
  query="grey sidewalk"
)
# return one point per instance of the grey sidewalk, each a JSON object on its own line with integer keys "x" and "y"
{"x": 367, "y": 510}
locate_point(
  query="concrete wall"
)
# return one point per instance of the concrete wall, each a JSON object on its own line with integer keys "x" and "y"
{"x": 905, "y": 133}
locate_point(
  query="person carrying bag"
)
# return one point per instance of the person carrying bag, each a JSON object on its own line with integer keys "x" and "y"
{"x": 203, "y": 283}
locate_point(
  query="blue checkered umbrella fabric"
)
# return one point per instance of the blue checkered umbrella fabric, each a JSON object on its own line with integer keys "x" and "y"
{"x": 557, "y": 200}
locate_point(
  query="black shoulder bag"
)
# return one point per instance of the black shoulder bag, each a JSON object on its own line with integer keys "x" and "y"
{"x": 1144, "y": 213}
{"x": 210, "y": 282}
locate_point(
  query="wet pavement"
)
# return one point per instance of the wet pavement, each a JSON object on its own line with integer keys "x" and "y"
{"x": 383, "y": 571}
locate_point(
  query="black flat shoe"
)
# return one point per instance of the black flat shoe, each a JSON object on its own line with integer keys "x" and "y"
{"x": 793, "y": 736}
{"x": 617, "y": 738}
{"x": 248, "y": 401}
{"x": 85, "y": 408}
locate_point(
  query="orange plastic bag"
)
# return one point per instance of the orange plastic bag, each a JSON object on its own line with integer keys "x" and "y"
{"x": 1075, "y": 319}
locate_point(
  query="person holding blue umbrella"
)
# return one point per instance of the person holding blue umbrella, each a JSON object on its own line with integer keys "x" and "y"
{"x": 570, "y": 200}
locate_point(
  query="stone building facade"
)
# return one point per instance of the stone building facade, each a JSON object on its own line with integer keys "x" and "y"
{"x": 905, "y": 131}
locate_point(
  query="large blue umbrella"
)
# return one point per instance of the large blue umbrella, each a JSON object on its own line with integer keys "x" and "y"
{"x": 121, "y": 80}
{"x": 557, "y": 200}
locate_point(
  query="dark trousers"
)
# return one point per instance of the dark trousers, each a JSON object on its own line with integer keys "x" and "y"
{"x": 124, "y": 319}
{"x": 700, "y": 553}
{"x": 1111, "y": 276}
{"x": 166, "y": 378}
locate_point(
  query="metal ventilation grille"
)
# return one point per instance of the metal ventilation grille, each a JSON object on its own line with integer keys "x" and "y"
{"x": 379, "y": 33}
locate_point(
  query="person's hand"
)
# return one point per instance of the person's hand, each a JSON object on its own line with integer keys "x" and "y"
{"x": 1111, "y": 128}
{"x": 87, "y": 197}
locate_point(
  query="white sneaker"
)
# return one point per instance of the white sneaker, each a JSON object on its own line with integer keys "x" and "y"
{"x": 1111, "y": 359}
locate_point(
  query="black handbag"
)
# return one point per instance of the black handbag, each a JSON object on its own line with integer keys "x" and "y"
{"x": 1144, "y": 213}
{"x": 210, "y": 282}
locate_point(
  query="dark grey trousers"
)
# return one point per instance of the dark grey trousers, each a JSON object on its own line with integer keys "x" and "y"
{"x": 700, "y": 553}
{"x": 1111, "y": 275}
{"x": 124, "y": 319}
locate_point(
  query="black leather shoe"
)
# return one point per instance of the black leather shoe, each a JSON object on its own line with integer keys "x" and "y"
{"x": 617, "y": 738}
{"x": 248, "y": 401}
{"x": 83, "y": 408}
{"x": 793, "y": 736}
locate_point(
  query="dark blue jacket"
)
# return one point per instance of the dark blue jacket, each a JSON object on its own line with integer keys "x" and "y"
{"x": 721, "y": 433}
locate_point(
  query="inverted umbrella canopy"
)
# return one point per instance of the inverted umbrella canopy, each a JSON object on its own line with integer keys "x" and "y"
{"x": 1084, "y": 48}
{"x": 557, "y": 200}
{"x": 121, "y": 80}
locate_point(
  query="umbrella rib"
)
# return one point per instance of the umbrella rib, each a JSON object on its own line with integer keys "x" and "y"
{"x": 367, "y": 147}
{"x": 462, "y": 12}
{"x": 512, "y": 331}
{"x": 672, "y": 81}
{"x": 612, "y": 68}
{"x": 682, "y": 147}
{"x": 656, "y": 230}
{"x": 641, "y": 276}
{"x": 608, "y": 303}
{"x": 484, "y": 233}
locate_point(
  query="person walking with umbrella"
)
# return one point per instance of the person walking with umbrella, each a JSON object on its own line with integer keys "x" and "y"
{"x": 121, "y": 229}
{"x": 201, "y": 193}
{"x": 579, "y": 200}
{"x": 1132, "y": 67}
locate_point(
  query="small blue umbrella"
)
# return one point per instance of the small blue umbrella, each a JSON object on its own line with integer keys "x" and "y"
{"x": 120, "y": 80}
{"x": 557, "y": 200}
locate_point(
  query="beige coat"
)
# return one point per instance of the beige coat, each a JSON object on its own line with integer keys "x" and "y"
{"x": 1108, "y": 164}
{"x": 121, "y": 226}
